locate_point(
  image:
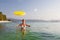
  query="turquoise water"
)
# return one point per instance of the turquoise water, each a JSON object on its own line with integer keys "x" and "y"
{"x": 37, "y": 31}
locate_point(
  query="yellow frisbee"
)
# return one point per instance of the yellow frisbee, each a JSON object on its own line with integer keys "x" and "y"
{"x": 19, "y": 13}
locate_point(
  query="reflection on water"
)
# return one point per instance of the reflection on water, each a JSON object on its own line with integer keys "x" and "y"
{"x": 1, "y": 28}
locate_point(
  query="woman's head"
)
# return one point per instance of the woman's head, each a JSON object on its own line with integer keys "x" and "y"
{"x": 23, "y": 21}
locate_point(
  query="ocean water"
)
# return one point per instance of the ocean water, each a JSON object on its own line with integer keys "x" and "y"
{"x": 37, "y": 31}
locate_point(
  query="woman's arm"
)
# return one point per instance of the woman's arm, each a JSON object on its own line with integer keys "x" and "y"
{"x": 28, "y": 25}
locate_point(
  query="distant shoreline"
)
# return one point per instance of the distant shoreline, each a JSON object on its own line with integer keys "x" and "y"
{"x": 35, "y": 20}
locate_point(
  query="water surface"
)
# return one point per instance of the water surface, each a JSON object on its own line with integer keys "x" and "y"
{"x": 37, "y": 31}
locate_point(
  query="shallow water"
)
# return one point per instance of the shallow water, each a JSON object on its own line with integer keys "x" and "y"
{"x": 37, "y": 31}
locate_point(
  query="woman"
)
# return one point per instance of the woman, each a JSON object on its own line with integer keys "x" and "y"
{"x": 23, "y": 26}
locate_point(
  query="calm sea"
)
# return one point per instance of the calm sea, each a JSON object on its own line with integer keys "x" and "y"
{"x": 37, "y": 31}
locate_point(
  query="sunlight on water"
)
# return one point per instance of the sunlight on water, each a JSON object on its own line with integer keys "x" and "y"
{"x": 46, "y": 27}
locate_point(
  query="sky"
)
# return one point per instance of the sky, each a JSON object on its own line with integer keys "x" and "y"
{"x": 34, "y": 9}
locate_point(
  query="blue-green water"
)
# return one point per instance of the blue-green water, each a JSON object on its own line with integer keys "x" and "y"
{"x": 37, "y": 31}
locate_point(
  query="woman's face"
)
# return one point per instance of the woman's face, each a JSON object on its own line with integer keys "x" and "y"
{"x": 23, "y": 21}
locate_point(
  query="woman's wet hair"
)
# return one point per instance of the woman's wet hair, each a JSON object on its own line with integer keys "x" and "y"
{"x": 22, "y": 19}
